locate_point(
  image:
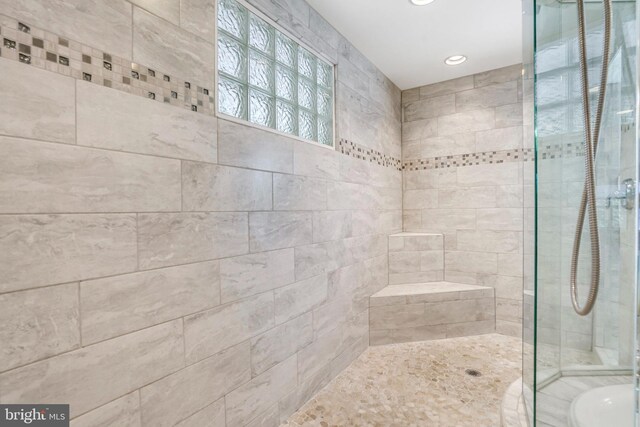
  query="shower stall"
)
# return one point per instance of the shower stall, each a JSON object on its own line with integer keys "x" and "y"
{"x": 580, "y": 367}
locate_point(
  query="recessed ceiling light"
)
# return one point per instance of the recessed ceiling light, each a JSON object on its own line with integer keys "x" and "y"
{"x": 455, "y": 60}
{"x": 421, "y": 2}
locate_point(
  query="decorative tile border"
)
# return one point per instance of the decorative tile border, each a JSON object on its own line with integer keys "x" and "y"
{"x": 482, "y": 158}
{"x": 358, "y": 151}
{"x": 546, "y": 152}
{"x": 45, "y": 50}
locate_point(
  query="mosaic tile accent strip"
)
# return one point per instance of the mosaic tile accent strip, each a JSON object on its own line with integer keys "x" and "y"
{"x": 358, "y": 151}
{"x": 546, "y": 152}
{"x": 486, "y": 157}
{"x": 43, "y": 49}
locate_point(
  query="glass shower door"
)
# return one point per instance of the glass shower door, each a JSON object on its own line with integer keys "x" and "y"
{"x": 567, "y": 354}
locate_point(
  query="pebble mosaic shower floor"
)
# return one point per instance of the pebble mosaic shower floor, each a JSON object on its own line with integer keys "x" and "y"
{"x": 420, "y": 384}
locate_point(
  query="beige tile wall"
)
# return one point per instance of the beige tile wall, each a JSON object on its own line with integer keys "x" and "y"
{"x": 478, "y": 207}
{"x": 164, "y": 267}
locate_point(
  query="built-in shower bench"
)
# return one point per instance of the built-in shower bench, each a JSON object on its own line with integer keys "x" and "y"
{"x": 426, "y": 309}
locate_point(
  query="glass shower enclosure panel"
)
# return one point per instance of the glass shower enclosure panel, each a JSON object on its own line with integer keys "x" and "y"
{"x": 567, "y": 354}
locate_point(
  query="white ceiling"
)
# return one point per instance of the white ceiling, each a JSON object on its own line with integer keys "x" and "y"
{"x": 410, "y": 43}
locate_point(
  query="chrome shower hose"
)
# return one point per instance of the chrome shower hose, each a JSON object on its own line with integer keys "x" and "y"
{"x": 588, "y": 201}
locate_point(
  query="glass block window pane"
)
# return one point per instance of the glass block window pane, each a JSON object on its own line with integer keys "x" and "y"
{"x": 286, "y": 83}
{"x": 325, "y": 131}
{"x": 325, "y": 75}
{"x": 307, "y": 64}
{"x": 325, "y": 103}
{"x": 232, "y": 58}
{"x": 268, "y": 79}
{"x": 232, "y": 98}
{"x": 307, "y": 94}
{"x": 261, "y": 108}
{"x": 232, "y": 18}
{"x": 307, "y": 125}
{"x": 260, "y": 71}
{"x": 261, "y": 35}
{"x": 286, "y": 117}
{"x": 286, "y": 50}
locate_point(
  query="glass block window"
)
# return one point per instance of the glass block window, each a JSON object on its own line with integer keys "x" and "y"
{"x": 268, "y": 79}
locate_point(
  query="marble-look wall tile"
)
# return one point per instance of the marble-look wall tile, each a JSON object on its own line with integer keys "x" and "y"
{"x": 116, "y": 305}
{"x": 471, "y": 262}
{"x": 470, "y": 197}
{"x": 508, "y": 287}
{"x": 104, "y": 25}
{"x": 245, "y": 146}
{"x": 487, "y": 96}
{"x": 252, "y": 274}
{"x": 211, "y": 416}
{"x": 510, "y": 265}
{"x": 347, "y": 196}
{"x": 195, "y": 387}
{"x": 429, "y": 108}
{"x": 500, "y": 75}
{"x": 124, "y": 412}
{"x": 294, "y": 193}
{"x": 439, "y": 220}
{"x": 178, "y": 238}
{"x": 468, "y": 121}
{"x": 311, "y": 260}
{"x": 36, "y": 103}
{"x": 42, "y": 177}
{"x": 410, "y": 95}
{"x": 429, "y": 178}
{"x": 419, "y": 129}
{"x": 499, "y": 139}
{"x": 352, "y": 77}
{"x": 261, "y": 393}
{"x": 170, "y": 49}
{"x": 72, "y": 377}
{"x": 420, "y": 199}
{"x": 489, "y": 175}
{"x": 332, "y": 225}
{"x": 506, "y": 219}
{"x": 461, "y": 143}
{"x": 277, "y": 230}
{"x": 199, "y": 17}
{"x": 365, "y": 222}
{"x": 490, "y": 241}
{"x": 111, "y": 119}
{"x": 511, "y": 311}
{"x": 298, "y": 298}
{"x": 208, "y": 187}
{"x": 447, "y": 87}
{"x": 509, "y": 115}
{"x": 277, "y": 344}
{"x": 165, "y": 9}
{"x": 209, "y": 332}
{"x": 40, "y": 250}
{"x": 37, "y": 324}
{"x": 323, "y": 29}
{"x": 270, "y": 418}
{"x": 509, "y": 196}
{"x": 318, "y": 162}
{"x": 313, "y": 358}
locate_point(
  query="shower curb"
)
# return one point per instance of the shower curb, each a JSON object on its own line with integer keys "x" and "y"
{"x": 512, "y": 411}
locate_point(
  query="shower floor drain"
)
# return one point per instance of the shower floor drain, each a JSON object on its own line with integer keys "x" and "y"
{"x": 473, "y": 372}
